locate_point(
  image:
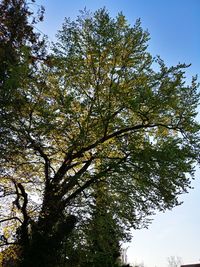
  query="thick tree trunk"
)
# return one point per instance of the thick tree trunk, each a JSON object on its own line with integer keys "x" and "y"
{"x": 48, "y": 237}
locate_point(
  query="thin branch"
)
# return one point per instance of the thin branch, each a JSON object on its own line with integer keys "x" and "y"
{"x": 44, "y": 156}
{"x": 12, "y": 218}
{"x": 8, "y": 244}
{"x": 83, "y": 190}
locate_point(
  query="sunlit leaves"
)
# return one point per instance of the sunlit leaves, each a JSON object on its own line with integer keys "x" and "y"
{"x": 98, "y": 111}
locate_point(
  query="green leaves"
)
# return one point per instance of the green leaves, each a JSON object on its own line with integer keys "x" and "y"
{"x": 138, "y": 124}
{"x": 96, "y": 110}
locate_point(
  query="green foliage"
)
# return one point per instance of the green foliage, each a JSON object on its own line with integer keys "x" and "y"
{"x": 103, "y": 233}
{"x": 96, "y": 241}
{"x": 96, "y": 112}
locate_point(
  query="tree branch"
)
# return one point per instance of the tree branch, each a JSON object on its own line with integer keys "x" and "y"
{"x": 83, "y": 187}
{"x": 39, "y": 149}
{"x": 90, "y": 182}
{"x": 118, "y": 133}
{"x": 11, "y": 218}
{"x": 8, "y": 244}
{"x": 24, "y": 206}
{"x": 70, "y": 157}
{"x": 73, "y": 180}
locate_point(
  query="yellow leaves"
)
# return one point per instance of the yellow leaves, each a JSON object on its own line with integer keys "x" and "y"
{"x": 110, "y": 149}
{"x": 162, "y": 132}
{"x": 109, "y": 142}
{"x": 89, "y": 58}
{"x": 1, "y": 259}
{"x": 6, "y": 232}
{"x": 9, "y": 228}
{"x": 10, "y": 255}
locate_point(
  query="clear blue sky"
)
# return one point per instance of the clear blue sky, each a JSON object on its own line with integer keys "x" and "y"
{"x": 174, "y": 26}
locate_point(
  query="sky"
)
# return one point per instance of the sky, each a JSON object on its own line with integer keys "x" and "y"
{"x": 174, "y": 27}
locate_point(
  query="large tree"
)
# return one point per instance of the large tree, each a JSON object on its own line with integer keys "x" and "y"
{"x": 99, "y": 112}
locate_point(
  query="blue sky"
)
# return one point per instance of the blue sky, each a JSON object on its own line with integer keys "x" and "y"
{"x": 174, "y": 27}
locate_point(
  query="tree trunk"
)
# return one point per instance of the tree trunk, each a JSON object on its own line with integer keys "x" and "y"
{"x": 47, "y": 240}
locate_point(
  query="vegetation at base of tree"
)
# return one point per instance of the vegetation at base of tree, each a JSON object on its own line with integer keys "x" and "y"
{"x": 93, "y": 139}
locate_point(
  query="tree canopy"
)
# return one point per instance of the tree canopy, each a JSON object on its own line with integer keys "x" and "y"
{"x": 96, "y": 112}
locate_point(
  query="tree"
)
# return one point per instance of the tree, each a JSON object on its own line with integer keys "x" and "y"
{"x": 99, "y": 236}
{"x": 103, "y": 231}
{"x": 18, "y": 41}
{"x": 21, "y": 49}
{"x": 174, "y": 261}
{"x": 98, "y": 113}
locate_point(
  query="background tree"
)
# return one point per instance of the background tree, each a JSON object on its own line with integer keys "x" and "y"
{"x": 21, "y": 50}
{"x": 98, "y": 238}
{"x": 103, "y": 231}
{"x": 174, "y": 261}
{"x": 99, "y": 112}
{"x": 18, "y": 42}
